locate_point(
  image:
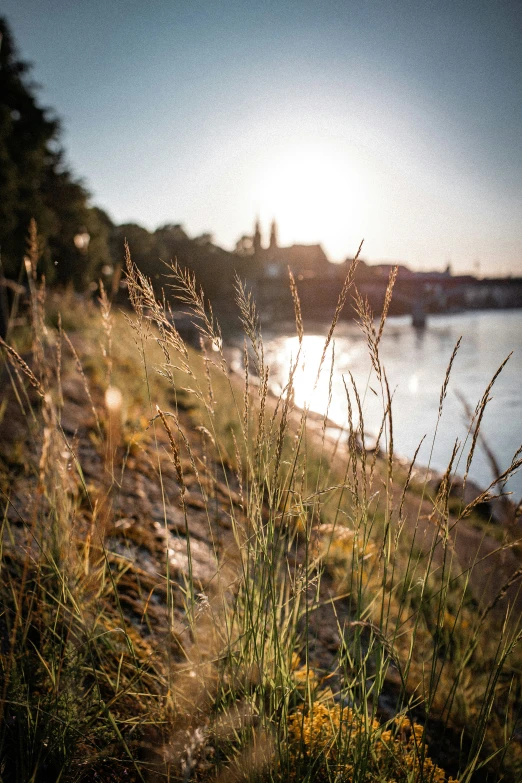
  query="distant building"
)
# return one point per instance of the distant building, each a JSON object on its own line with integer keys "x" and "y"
{"x": 305, "y": 261}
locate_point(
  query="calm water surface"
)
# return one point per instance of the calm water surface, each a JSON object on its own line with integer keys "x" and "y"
{"x": 415, "y": 364}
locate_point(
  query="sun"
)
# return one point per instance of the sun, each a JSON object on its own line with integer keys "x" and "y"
{"x": 316, "y": 192}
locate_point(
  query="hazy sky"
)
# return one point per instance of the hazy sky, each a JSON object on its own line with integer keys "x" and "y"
{"x": 394, "y": 120}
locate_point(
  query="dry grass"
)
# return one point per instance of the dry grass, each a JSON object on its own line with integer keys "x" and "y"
{"x": 175, "y": 567}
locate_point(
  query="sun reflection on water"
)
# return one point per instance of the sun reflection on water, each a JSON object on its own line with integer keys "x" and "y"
{"x": 314, "y": 382}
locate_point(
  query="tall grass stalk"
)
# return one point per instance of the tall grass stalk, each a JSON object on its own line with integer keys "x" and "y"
{"x": 340, "y": 635}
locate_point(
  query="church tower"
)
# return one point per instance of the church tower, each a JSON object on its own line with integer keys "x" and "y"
{"x": 256, "y": 240}
{"x": 273, "y": 235}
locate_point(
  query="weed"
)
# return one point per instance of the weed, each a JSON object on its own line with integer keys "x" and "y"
{"x": 200, "y": 584}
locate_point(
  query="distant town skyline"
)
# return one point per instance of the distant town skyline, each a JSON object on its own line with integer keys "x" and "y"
{"x": 395, "y": 121}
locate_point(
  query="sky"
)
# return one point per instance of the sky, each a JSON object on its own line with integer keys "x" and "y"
{"x": 394, "y": 120}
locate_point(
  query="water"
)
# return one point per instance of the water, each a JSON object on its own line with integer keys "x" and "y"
{"x": 415, "y": 364}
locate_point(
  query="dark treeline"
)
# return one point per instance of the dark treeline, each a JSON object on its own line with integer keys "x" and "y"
{"x": 35, "y": 182}
{"x": 79, "y": 242}
{"x": 213, "y": 267}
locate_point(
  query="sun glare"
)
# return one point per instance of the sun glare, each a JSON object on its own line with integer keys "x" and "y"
{"x": 316, "y": 193}
{"x": 311, "y": 388}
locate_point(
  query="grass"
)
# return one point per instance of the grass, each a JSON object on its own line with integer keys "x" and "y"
{"x": 198, "y": 583}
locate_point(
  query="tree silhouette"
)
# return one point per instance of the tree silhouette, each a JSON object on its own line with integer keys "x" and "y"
{"x": 35, "y": 182}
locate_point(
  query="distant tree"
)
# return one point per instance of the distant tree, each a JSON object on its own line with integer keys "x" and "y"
{"x": 143, "y": 248}
{"x": 36, "y": 183}
{"x": 212, "y": 266}
{"x": 25, "y": 135}
{"x": 173, "y": 230}
{"x": 204, "y": 239}
{"x": 244, "y": 246}
{"x": 101, "y": 229}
